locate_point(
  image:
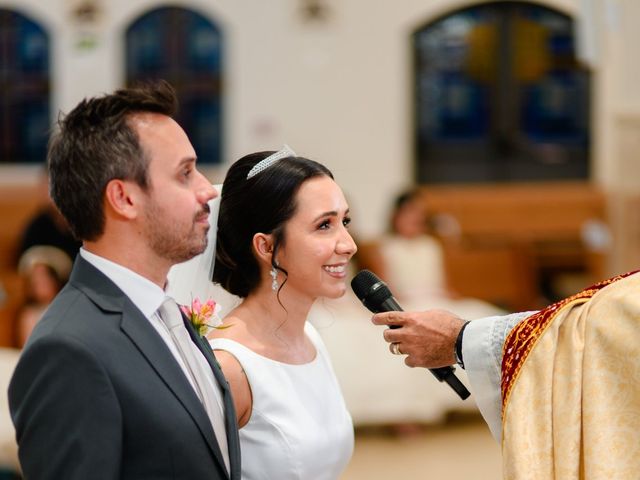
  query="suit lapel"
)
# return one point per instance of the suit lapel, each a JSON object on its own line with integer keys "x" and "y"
{"x": 162, "y": 361}
{"x": 137, "y": 328}
{"x": 231, "y": 422}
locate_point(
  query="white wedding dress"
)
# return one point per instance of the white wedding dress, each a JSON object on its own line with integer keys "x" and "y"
{"x": 299, "y": 427}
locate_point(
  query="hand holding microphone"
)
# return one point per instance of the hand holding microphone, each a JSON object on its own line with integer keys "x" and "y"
{"x": 427, "y": 338}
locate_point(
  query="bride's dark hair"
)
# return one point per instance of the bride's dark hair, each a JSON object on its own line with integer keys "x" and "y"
{"x": 262, "y": 203}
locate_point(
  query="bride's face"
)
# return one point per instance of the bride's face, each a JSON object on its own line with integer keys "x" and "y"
{"x": 317, "y": 245}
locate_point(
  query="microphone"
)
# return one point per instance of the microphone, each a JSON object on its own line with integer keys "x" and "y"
{"x": 376, "y": 296}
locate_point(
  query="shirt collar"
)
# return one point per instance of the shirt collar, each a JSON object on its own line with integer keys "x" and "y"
{"x": 144, "y": 294}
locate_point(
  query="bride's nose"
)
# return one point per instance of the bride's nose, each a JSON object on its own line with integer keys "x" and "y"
{"x": 346, "y": 245}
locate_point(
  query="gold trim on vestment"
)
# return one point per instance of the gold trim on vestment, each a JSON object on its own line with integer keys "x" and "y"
{"x": 524, "y": 336}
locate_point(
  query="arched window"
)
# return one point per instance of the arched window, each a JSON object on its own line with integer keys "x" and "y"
{"x": 184, "y": 48}
{"x": 24, "y": 89}
{"x": 500, "y": 96}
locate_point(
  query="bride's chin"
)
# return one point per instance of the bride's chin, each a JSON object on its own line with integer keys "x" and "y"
{"x": 337, "y": 293}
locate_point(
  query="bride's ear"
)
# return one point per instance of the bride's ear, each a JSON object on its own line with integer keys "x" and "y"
{"x": 263, "y": 247}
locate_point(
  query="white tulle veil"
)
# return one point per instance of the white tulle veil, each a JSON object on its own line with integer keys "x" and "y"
{"x": 192, "y": 278}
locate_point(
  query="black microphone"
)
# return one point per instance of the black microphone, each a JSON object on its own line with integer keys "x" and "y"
{"x": 376, "y": 296}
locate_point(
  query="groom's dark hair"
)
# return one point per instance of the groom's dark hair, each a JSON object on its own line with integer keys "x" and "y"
{"x": 95, "y": 143}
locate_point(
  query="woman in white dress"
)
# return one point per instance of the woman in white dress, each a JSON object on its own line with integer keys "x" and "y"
{"x": 282, "y": 243}
{"x": 413, "y": 263}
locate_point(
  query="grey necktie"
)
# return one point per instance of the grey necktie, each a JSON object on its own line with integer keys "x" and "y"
{"x": 172, "y": 318}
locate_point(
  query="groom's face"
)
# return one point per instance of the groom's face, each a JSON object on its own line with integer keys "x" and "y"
{"x": 175, "y": 217}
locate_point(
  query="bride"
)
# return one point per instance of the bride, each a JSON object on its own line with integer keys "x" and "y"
{"x": 283, "y": 243}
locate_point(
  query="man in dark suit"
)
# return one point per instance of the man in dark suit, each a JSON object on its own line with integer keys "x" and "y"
{"x": 101, "y": 390}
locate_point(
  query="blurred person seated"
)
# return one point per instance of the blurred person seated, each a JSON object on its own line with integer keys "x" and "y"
{"x": 411, "y": 261}
{"x": 45, "y": 270}
{"x": 48, "y": 227}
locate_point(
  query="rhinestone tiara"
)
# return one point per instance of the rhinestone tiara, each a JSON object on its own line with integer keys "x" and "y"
{"x": 284, "y": 152}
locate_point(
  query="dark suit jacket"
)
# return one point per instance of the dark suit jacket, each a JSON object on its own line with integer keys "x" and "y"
{"x": 98, "y": 395}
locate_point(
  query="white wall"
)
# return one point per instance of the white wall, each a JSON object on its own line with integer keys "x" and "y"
{"x": 339, "y": 92}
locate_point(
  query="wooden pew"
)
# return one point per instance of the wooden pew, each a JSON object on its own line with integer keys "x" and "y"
{"x": 501, "y": 238}
{"x": 18, "y": 203}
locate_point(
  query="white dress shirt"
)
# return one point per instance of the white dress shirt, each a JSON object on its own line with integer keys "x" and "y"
{"x": 148, "y": 297}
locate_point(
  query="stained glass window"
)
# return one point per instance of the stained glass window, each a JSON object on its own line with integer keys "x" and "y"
{"x": 500, "y": 96}
{"x": 24, "y": 89}
{"x": 184, "y": 48}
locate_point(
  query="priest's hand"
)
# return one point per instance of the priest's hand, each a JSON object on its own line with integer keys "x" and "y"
{"x": 427, "y": 338}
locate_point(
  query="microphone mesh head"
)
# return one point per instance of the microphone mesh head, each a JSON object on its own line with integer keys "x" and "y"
{"x": 370, "y": 289}
{"x": 362, "y": 283}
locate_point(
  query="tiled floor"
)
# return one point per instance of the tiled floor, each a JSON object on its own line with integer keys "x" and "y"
{"x": 463, "y": 449}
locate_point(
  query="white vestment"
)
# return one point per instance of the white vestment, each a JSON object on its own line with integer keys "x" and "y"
{"x": 482, "y": 343}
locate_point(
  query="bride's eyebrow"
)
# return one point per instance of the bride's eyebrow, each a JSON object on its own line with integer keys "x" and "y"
{"x": 332, "y": 213}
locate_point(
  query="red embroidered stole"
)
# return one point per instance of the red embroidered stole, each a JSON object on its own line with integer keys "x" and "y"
{"x": 524, "y": 335}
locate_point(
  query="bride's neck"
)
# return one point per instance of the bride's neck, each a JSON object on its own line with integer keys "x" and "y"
{"x": 285, "y": 312}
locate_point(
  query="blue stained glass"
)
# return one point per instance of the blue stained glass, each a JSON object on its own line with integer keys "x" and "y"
{"x": 25, "y": 96}
{"x": 496, "y": 85}
{"x": 561, "y": 44}
{"x": 184, "y": 48}
{"x": 34, "y": 131}
{"x": 203, "y": 45}
{"x": 205, "y": 127}
{"x": 144, "y": 45}
{"x": 33, "y": 47}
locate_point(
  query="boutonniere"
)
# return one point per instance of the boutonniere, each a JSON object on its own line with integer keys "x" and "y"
{"x": 203, "y": 316}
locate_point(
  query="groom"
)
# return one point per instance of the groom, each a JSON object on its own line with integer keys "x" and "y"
{"x": 103, "y": 390}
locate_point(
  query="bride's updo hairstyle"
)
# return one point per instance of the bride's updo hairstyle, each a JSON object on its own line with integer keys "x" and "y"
{"x": 262, "y": 203}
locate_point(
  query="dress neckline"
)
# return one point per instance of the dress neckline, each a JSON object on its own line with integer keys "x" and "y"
{"x": 272, "y": 360}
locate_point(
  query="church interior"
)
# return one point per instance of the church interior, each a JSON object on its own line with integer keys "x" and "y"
{"x": 515, "y": 125}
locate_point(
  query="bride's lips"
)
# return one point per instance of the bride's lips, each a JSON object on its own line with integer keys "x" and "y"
{"x": 336, "y": 270}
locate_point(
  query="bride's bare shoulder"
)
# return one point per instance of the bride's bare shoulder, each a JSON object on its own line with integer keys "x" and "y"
{"x": 232, "y": 327}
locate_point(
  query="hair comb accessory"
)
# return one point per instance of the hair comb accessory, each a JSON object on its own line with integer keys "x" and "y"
{"x": 270, "y": 160}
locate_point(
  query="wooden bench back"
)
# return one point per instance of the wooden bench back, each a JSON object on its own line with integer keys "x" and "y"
{"x": 508, "y": 234}
{"x": 527, "y": 212}
{"x": 18, "y": 203}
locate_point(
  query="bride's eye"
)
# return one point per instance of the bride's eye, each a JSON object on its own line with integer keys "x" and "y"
{"x": 324, "y": 225}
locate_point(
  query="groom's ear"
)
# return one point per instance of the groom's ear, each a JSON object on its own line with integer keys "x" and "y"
{"x": 263, "y": 247}
{"x": 121, "y": 198}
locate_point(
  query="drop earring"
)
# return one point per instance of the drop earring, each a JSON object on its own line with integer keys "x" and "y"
{"x": 274, "y": 278}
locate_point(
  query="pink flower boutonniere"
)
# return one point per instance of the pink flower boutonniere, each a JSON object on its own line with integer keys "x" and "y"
{"x": 203, "y": 316}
